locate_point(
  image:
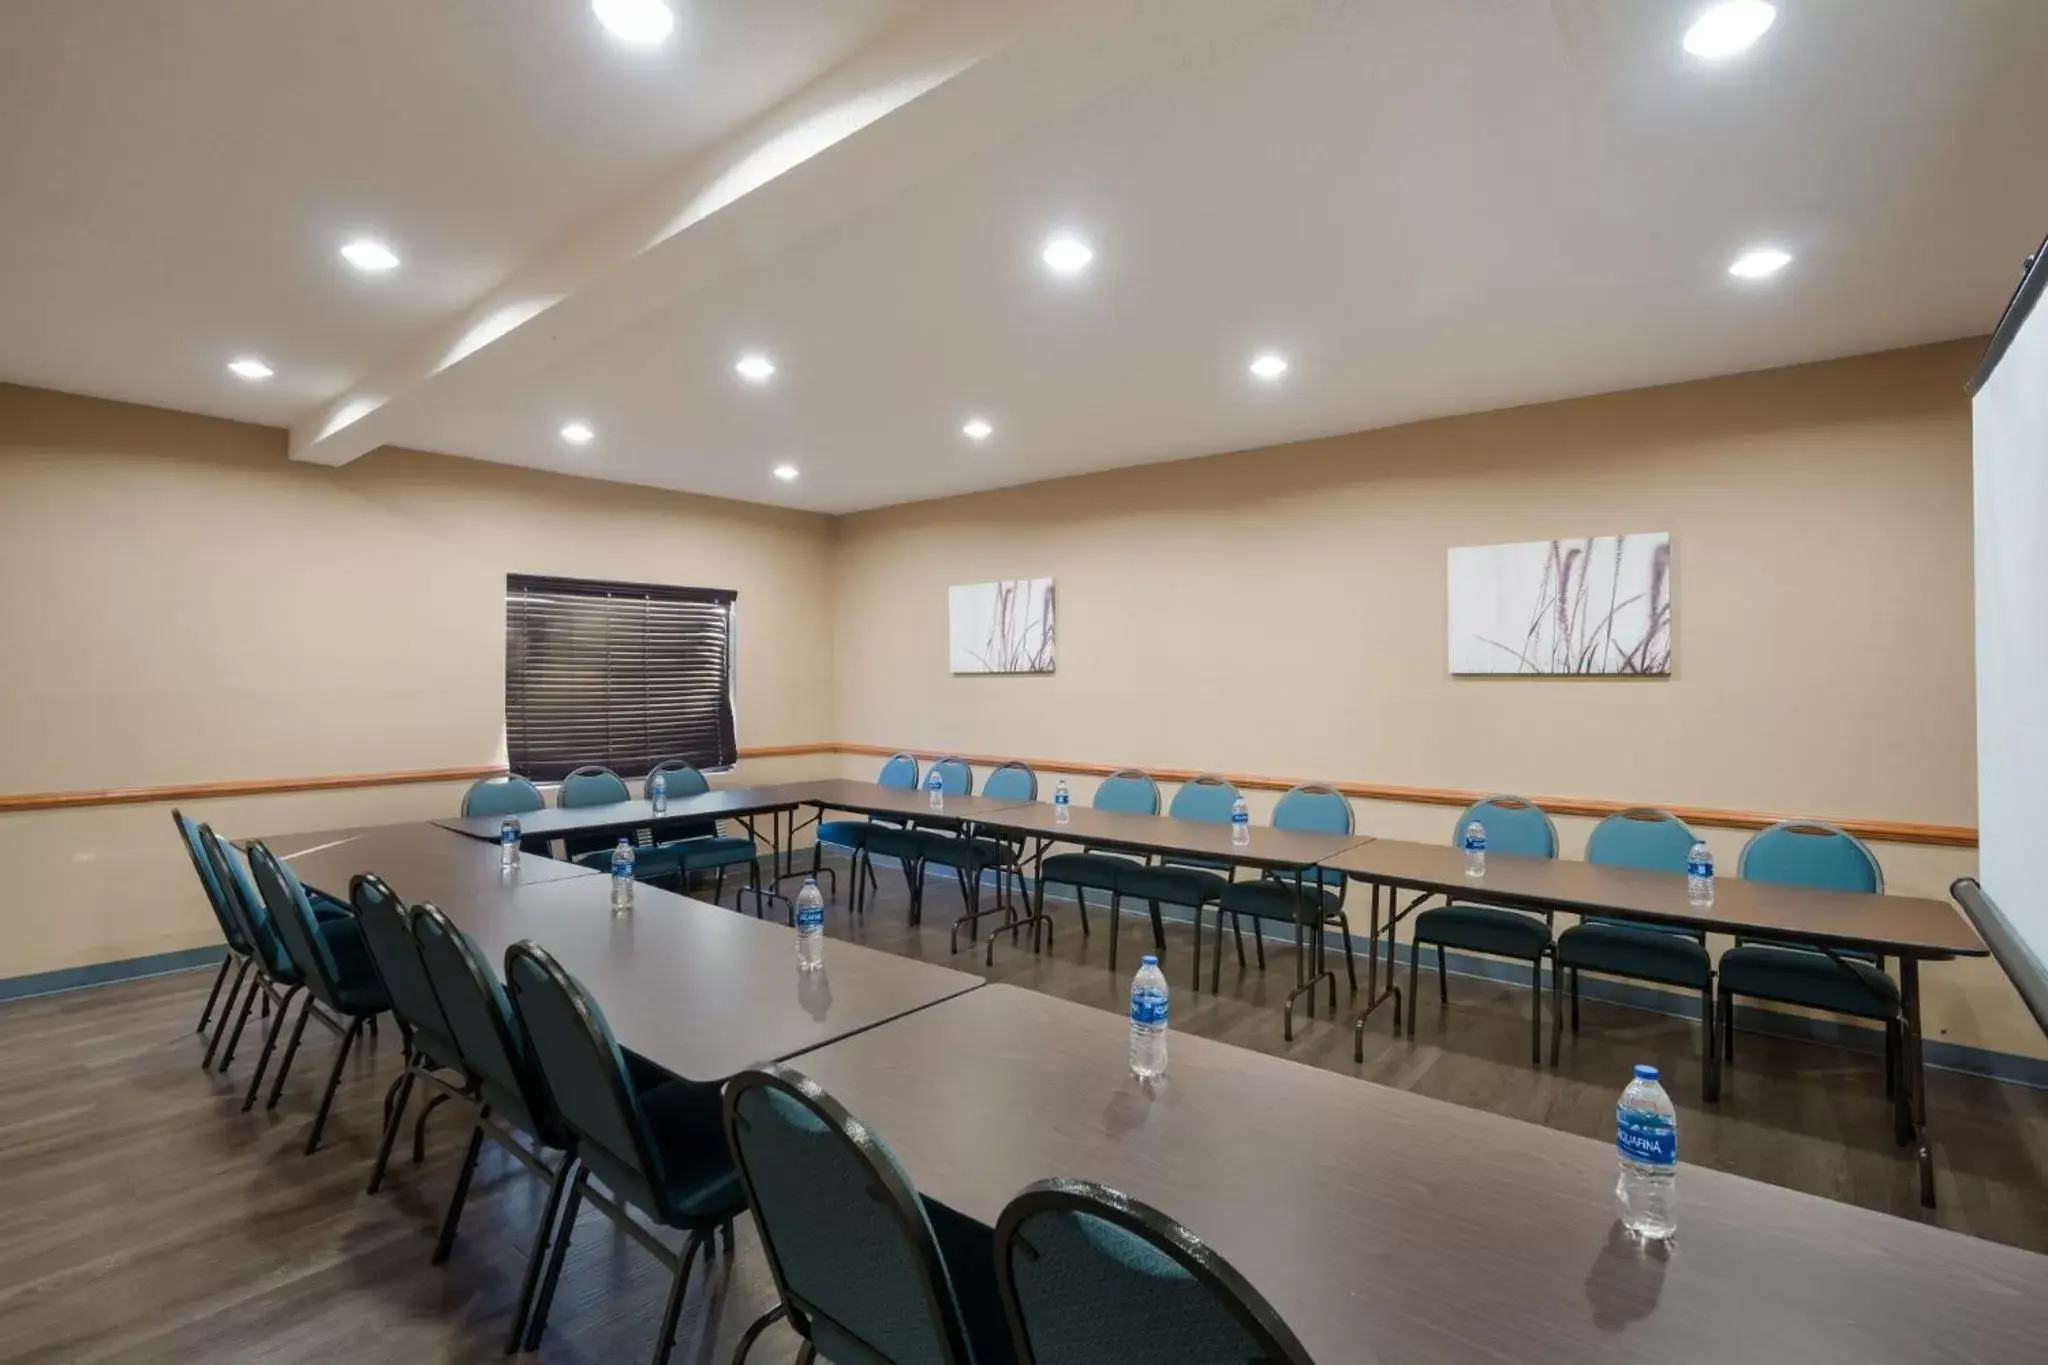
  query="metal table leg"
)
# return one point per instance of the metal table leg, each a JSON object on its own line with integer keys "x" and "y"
{"x": 1309, "y": 968}
{"x": 1913, "y": 1093}
{"x": 1374, "y": 997}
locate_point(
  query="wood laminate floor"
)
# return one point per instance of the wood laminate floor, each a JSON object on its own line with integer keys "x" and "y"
{"x": 147, "y": 1219}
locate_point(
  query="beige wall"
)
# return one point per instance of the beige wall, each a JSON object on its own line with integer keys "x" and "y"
{"x": 184, "y": 604}
{"x": 1282, "y": 612}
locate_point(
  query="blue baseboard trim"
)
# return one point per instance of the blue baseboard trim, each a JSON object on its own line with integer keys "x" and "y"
{"x": 106, "y": 973}
{"x": 1941, "y": 1055}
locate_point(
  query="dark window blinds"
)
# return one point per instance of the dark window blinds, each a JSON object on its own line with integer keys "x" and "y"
{"x": 622, "y": 675}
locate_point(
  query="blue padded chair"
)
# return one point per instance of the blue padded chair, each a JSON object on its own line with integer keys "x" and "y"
{"x": 907, "y": 844}
{"x": 1844, "y": 981}
{"x": 1650, "y": 841}
{"x": 1090, "y": 1276}
{"x": 506, "y": 1079}
{"x": 592, "y": 786}
{"x": 431, "y": 1052}
{"x": 656, "y": 1142}
{"x": 507, "y": 795}
{"x": 971, "y": 857}
{"x": 899, "y": 773}
{"x": 1191, "y": 882}
{"x": 1517, "y": 828}
{"x": 1128, "y": 791}
{"x": 699, "y": 847}
{"x": 857, "y": 1263}
{"x": 238, "y": 948}
{"x": 1312, "y": 809}
{"x": 341, "y": 980}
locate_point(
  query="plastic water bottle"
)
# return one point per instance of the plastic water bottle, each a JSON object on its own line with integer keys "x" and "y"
{"x": 1699, "y": 874}
{"x": 810, "y": 927}
{"x": 508, "y": 841}
{"x": 1475, "y": 850}
{"x": 622, "y": 876}
{"x": 657, "y": 790}
{"x": 1240, "y": 824}
{"x": 937, "y": 784}
{"x": 1646, "y": 1137}
{"x": 1148, "y": 1021}
{"x": 1062, "y": 804}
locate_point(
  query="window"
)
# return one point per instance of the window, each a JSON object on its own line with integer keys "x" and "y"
{"x": 618, "y": 674}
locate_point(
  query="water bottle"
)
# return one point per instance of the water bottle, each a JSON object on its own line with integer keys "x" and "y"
{"x": 1148, "y": 1021}
{"x": 1475, "y": 850}
{"x": 937, "y": 784}
{"x": 1699, "y": 874}
{"x": 1062, "y": 804}
{"x": 657, "y": 789}
{"x": 508, "y": 841}
{"x": 810, "y": 927}
{"x": 622, "y": 876}
{"x": 1646, "y": 1137}
{"x": 1240, "y": 824}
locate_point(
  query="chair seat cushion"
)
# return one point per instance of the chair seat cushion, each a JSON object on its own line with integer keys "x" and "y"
{"x": 1097, "y": 870}
{"x": 1275, "y": 899}
{"x": 1641, "y": 953}
{"x": 1797, "y": 976}
{"x": 892, "y": 841}
{"x": 327, "y": 907}
{"x": 1174, "y": 885}
{"x": 719, "y": 850}
{"x": 950, "y": 850}
{"x": 687, "y": 1124}
{"x": 1484, "y": 929}
{"x": 844, "y": 833}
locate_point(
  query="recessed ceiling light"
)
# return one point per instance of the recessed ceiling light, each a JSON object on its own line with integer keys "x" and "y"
{"x": 977, "y": 429}
{"x": 1759, "y": 263}
{"x": 578, "y": 433}
{"x": 1067, "y": 255}
{"x": 1267, "y": 365}
{"x": 640, "y": 22}
{"x": 1731, "y": 27}
{"x": 250, "y": 368}
{"x": 369, "y": 255}
{"x": 754, "y": 367}
{"x": 785, "y": 472}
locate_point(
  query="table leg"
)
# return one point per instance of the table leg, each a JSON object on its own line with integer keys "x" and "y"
{"x": 1309, "y": 969}
{"x": 1914, "y": 1088}
{"x": 1374, "y": 997}
{"x": 765, "y": 894}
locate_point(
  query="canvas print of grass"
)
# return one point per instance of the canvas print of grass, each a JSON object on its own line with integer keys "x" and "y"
{"x": 1001, "y": 627}
{"x": 1600, "y": 606}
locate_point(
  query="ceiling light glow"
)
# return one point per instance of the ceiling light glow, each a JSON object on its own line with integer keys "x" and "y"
{"x": 785, "y": 472}
{"x": 754, "y": 367}
{"x": 250, "y": 368}
{"x": 1759, "y": 263}
{"x": 642, "y": 23}
{"x": 1268, "y": 366}
{"x": 1067, "y": 255}
{"x": 578, "y": 433}
{"x": 977, "y": 429}
{"x": 370, "y": 256}
{"x": 1729, "y": 28}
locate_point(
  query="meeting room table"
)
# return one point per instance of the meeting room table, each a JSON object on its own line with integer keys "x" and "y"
{"x": 1385, "y": 1226}
{"x": 1912, "y": 929}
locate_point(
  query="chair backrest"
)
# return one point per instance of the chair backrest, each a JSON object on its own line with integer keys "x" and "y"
{"x": 1314, "y": 809}
{"x": 1013, "y": 781}
{"x": 210, "y": 882}
{"x": 1513, "y": 826}
{"x": 387, "y": 934}
{"x": 246, "y": 907}
{"x": 592, "y": 787}
{"x": 480, "y": 1017}
{"x": 844, "y": 1230}
{"x": 1087, "y": 1273}
{"x": 900, "y": 772}
{"x": 586, "y": 1076}
{"x": 956, "y": 778}
{"x": 508, "y": 795}
{"x": 1206, "y": 797}
{"x": 1809, "y": 853}
{"x": 682, "y": 778}
{"x": 1130, "y": 791}
{"x": 1644, "y": 838}
{"x": 292, "y": 915}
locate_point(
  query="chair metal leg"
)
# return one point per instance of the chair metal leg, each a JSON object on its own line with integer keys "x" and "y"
{"x": 754, "y": 1330}
{"x": 1710, "y": 1071}
{"x": 1443, "y": 978}
{"x": 1237, "y": 932}
{"x": 284, "y": 1007}
{"x": 1350, "y": 963}
{"x": 808, "y": 1355}
{"x": 1727, "y": 1028}
{"x": 718, "y": 888}
{"x": 1891, "y": 1058}
{"x": 1575, "y": 1001}
{"x": 523, "y": 1306}
{"x": 665, "y": 1341}
{"x": 419, "y": 1128}
{"x": 1195, "y": 980}
{"x": 1557, "y": 1011}
{"x": 284, "y": 1063}
{"x": 1414, "y": 972}
{"x": 565, "y": 1228}
{"x": 1536, "y": 1012}
{"x": 445, "y": 1243}
{"x": 348, "y": 1038}
{"x": 224, "y": 1028}
{"x": 1116, "y": 919}
{"x": 725, "y": 1236}
{"x": 213, "y": 996}
{"x": 1216, "y": 952}
{"x": 392, "y": 1121}
{"x": 1080, "y": 899}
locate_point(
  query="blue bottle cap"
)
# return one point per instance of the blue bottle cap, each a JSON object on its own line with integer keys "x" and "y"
{"x": 1148, "y": 961}
{"x": 1645, "y": 1072}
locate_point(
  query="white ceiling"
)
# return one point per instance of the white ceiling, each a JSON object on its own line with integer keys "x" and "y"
{"x": 1430, "y": 206}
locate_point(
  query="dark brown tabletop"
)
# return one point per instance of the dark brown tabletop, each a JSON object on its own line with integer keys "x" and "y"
{"x": 719, "y": 803}
{"x": 698, "y": 989}
{"x": 1389, "y": 1227}
{"x": 421, "y": 863}
{"x": 871, "y": 798}
{"x": 1926, "y": 928}
{"x": 1208, "y": 839}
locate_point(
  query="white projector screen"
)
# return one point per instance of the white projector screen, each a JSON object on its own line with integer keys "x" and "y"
{"x": 2009, "y": 424}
